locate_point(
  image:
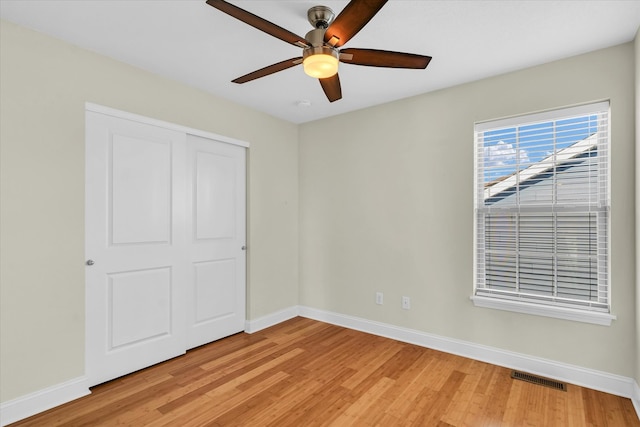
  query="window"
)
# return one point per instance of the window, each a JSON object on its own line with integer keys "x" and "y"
{"x": 542, "y": 213}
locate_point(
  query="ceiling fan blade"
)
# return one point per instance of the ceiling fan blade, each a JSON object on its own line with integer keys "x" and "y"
{"x": 383, "y": 58}
{"x": 259, "y": 23}
{"x": 353, "y": 17}
{"x": 331, "y": 87}
{"x": 262, "y": 72}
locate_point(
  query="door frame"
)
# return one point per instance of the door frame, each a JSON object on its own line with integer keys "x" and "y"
{"x": 160, "y": 123}
{"x": 95, "y": 108}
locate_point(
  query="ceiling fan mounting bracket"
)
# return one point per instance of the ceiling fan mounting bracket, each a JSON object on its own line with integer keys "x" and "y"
{"x": 320, "y": 16}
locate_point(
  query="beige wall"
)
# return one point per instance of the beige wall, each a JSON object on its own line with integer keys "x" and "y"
{"x": 637, "y": 82}
{"x": 43, "y": 89}
{"x": 386, "y": 204}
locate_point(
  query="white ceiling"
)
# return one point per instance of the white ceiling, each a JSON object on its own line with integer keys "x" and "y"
{"x": 189, "y": 41}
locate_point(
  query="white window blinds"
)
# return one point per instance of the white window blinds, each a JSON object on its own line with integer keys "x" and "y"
{"x": 542, "y": 208}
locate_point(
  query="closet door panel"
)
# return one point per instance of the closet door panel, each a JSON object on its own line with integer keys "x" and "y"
{"x": 216, "y": 176}
{"x": 135, "y": 245}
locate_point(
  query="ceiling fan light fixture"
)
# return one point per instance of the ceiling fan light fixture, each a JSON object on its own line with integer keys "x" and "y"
{"x": 320, "y": 62}
{"x": 320, "y": 66}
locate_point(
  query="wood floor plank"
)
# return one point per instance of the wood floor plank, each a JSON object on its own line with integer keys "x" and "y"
{"x": 229, "y": 382}
{"x": 443, "y": 400}
{"x": 379, "y": 356}
{"x": 308, "y": 373}
{"x": 403, "y": 402}
{"x": 321, "y": 406}
{"x": 497, "y": 394}
{"x": 462, "y": 400}
{"x": 285, "y": 400}
{"x": 249, "y": 402}
{"x": 361, "y": 410}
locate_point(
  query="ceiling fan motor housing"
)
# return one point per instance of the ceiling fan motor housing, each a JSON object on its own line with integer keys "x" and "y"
{"x": 318, "y": 47}
{"x": 320, "y": 50}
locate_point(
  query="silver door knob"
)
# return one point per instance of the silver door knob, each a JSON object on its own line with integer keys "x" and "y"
{"x": 90, "y": 262}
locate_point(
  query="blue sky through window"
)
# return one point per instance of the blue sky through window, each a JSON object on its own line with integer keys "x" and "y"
{"x": 512, "y": 149}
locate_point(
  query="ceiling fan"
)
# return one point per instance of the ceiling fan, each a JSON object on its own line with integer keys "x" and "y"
{"x": 320, "y": 55}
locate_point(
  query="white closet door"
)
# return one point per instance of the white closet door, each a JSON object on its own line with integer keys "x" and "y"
{"x": 217, "y": 238}
{"x": 136, "y": 240}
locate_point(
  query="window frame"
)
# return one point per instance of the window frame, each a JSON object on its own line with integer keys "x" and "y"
{"x": 520, "y": 303}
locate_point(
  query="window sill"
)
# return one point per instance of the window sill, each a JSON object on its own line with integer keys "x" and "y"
{"x": 545, "y": 310}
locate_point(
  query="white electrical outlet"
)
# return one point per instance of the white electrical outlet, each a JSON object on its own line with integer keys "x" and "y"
{"x": 379, "y": 298}
{"x": 406, "y": 303}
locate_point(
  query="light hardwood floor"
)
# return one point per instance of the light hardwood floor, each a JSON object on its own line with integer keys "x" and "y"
{"x": 307, "y": 373}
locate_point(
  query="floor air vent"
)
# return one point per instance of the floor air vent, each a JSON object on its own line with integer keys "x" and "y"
{"x": 517, "y": 375}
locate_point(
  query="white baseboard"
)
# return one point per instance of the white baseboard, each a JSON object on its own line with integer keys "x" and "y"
{"x": 272, "y": 319}
{"x": 42, "y": 400}
{"x": 636, "y": 397}
{"x": 590, "y": 378}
